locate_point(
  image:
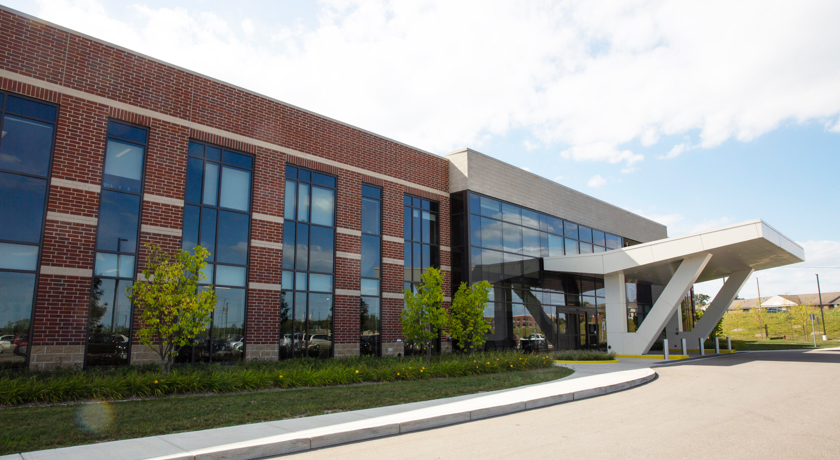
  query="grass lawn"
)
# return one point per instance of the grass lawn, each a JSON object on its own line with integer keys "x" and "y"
{"x": 45, "y": 427}
{"x": 747, "y": 345}
{"x": 746, "y": 334}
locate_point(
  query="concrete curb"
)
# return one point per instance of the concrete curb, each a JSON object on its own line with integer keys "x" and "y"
{"x": 298, "y": 435}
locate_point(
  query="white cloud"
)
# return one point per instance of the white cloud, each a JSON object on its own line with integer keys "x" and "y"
{"x": 558, "y": 178}
{"x": 674, "y": 152}
{"x": 793, "y": 279}
{"x": 529, "y": 146}
{"x": 586, "y": 76}
{"x": 596, "y": 181}
{"x": 248, "y": 26}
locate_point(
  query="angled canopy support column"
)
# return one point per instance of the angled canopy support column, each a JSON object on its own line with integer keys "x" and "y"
{"x": 639, "y": 342}
{"x": 715, "y": 311}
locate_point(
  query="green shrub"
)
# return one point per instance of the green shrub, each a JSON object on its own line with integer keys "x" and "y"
{"x": 583, "y": 355}
{"x": 22, "y": 387}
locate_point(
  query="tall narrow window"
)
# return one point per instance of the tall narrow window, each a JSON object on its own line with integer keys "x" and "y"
{"x": 306, "y": 316}
{"x": 109, "y": 319}
{"x": 371, "y": 274}
{"x": 217, "y": 216}
{"x": 26, "y": 147}
{"x": 420, "y": 232}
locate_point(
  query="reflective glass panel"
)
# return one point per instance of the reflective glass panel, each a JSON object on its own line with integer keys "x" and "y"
{"x": 21, "y": 207}
{"x": 118, "y": 222}
{"x": 123, "y": 166}
{"x": 407, "y": 253}
{"x": 571, "y": 247}
{"x": 512, "y": 238}
{"x": 189, "y": 240}
{"x": 304, "y": 175}
{"x": 29, "y": 108}
{"x": 113, "y": 265}
{"x": 207, "y": 272}
{"x": 214, "y": 153}
{"x": 491, "y": 208}
{"x": 555, "y": 246}
{"x": 194, "y": 173}
{"x": 211, "y": 184}
{"x": 25, "y": 145}
{"x": 16, "y": 294}
{"x": 237, "y": 159}
{"x": 571, "y": 230}
{"x": 491, "y": 233}
{"x": 370, "y": 287}
{"x": 196, "y": 150}
{"x": 323, "y": 206}
{"x": 427, "y": 224}
{"x": 599, "y": 248}
{"x": 207, "y": 238}
{"x": 230, "y": 276}
{"x": 302, "y": 248}
{"x": 585, "y": 248}
{"x": 228, "y": 325}
{"x": 475, "y": 230}
{"x": 236, "y": 188}
{"x": 530, "y": 218}
{"x": 288, "y": 281}
{"x": 371, "y": 216}
{"x": 303, "y": 202}
{"x": 129, "y": 133}
{"x": 291, "y": 172}
{"x": 289, "y": 245}
{"x": 531, "y": 242}
{"x": 510, "y": 213}
{"x": 407, "y": 223}
{"x": 323, "y": 179}
{"x": 613, "y": 242}
{"x": 491, "y": 265}
{"x": 232, "y": 246}
{"x": 598, "y": 238}
{"x": 18, "y": 256}
{"x": 301, "y": 281}
{"x": 322, "y": 249}
{"x": 291, "y": 200}
{"x": 371, "y": 256}
{"x": 416, "y": 224}
{"x": 320, "y": 283}
{"x": 373, "y": 192}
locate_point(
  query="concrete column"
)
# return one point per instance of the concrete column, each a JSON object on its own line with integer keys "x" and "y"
{"x": 616, "y": 310}
{"x": 720, "y": 304}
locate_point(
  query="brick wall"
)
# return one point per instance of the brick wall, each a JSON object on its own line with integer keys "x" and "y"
{"x": 94, "y": 81}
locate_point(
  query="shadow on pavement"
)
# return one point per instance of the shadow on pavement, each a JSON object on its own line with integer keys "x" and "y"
{"x": 802, "y": 356}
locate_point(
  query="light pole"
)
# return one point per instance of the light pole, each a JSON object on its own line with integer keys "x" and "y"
{"x": 759, "y": 308}
{"x": 822, "y": 313}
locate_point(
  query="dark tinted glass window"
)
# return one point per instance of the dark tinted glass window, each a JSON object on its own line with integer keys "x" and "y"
{"x": 599, "y": 238}
{"x": 21, "y": 207}
{"x": 512, "y": 238}
{"x": 213, "y": 153}
{"x": 126, "y": 132}
{"x": 237, "y": 159}
{"x": 613, "y": 242}
{"x": 207, "y": 233}
{"x": 192, "y": 215}
{"x": 195, "y": 170}
{"x": 289, "y": 246}
{"x": 585, "y": 234}
{"x": 321, "y": 249}
{"x": 370, "y": 256}
{"x": 232, "y": 246}
{"x": 26, "y": 145}
{"x": 372, "y": 192}
{"x": 123, "y": 165}
{"x": 196, "y": 150}
{"x": 31, "y": 109}
{"x": 291, "y": 172}
{"x": 323, "y": 179}
{"x": 302, "y": 248}
{"x": 370, "y": 216}
{"x": 118, "y": 217}
{"x": 571, "y": 230}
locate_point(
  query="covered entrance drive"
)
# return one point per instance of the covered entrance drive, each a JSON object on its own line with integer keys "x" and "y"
{"x": 733, "y": 252}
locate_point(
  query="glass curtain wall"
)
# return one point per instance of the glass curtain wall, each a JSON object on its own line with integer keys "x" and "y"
{"x": 371, "y": 273}
{"x": 120, "y": 202}
{"x": 26, "y": 147}
{"x": 421, "y": 248}
{"x": 306, "y": 317}
{"x": 531, "y": 309}
{"x": 217, "y": 216}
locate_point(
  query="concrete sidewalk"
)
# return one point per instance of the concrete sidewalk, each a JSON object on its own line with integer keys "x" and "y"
{"x": 295, "y": 435}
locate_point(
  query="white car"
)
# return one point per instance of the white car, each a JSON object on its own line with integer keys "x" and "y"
{"x": 6, "y": 344}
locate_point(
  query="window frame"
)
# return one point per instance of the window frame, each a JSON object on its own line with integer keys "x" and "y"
{"x": 378, "y": 351}
{"x": 48, "y": 178}
{"x": 436, "y": 263}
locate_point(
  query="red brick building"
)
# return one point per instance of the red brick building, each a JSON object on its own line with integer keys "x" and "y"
{"x": 86, "y": 102}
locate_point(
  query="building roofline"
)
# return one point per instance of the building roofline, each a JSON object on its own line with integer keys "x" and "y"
{"x": 201, "y": 75}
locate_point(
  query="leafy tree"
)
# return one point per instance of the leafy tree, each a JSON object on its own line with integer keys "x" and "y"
{"x": 466, "y": 316}
{"x": 701, "y": 301}
{"x": 800, "y": 314}
{"x": 718, "y": 329}
{"x": 174, "y": 312}
{"x": 758, "y": 316}
{"x": 423, "y": 316}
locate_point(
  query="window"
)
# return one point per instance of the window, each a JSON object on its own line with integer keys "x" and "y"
{"x": 422, "y": 246}
{"x": 308, "y": 264}
{"x": 109, "y": 315}
{"x": 26, "y": 147}
{"x": 217, "y": 216}
{"x": 371, "y": 274}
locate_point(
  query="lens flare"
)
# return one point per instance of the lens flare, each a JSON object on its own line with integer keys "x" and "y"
{"x": 94, "y": 418}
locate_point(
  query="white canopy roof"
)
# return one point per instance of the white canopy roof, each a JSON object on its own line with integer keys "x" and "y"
{"x": 777, "y": 301}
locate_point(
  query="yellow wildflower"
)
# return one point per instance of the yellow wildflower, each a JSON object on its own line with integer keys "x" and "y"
{"x": 155, "y": 382}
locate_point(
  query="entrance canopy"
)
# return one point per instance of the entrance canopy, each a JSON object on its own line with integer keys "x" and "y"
{"x": 734, "y": 252}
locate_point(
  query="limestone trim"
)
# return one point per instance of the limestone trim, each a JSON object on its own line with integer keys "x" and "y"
{"x": 446, "y": 249}
{"x": 67, "y": 271}
{"x": 393, "y": 295}
{"x": 267, "y": 244}
{"x": 163, "y": 200}
{"x": 393, "y": 239}
{"x": 445, "y": 268}
{"x": 160, "y": 230}
{"x": 265, "y": 286}
{"x": 348, "y": 292}
{"x": 62, "y": 217}
{"x": 267, "y": 218}
{"x": 387, "y": 260}
{"x": 75, "y": 185}
{"x": 348, "y": 255}
{"x": 348, "y": 231}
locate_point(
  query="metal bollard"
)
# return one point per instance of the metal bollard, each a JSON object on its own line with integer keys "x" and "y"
{"x": 685, "y": 347}
{"x": 729, "y": 343}
{"x": 702, "y": 347}
{"x": 717, "y": 345}
{"x": 665, "y": 347}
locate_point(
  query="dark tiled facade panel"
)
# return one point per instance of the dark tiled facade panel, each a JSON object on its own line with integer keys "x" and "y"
{"x": 166, "y": 100}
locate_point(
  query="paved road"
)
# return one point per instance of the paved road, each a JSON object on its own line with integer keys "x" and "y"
{"x": 763, "y": 405}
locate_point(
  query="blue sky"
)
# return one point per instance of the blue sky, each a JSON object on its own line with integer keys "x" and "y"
{"x": 696, "y": 115}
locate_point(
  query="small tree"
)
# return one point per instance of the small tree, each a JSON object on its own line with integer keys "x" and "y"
{"x": 758, "y": 316}
{"x": 800, "y": 314}
{"x": 466, "y": 316}
{"x": 424, "y": 316}
{"x": 173, "y": 311}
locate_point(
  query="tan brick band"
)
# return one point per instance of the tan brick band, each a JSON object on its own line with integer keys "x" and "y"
{"x": 52, "y": 356}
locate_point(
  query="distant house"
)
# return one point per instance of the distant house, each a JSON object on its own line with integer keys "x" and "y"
{"x": 779, "y": 303}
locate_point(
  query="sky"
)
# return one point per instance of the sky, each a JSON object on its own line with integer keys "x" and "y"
{"x": 693, "y": 114}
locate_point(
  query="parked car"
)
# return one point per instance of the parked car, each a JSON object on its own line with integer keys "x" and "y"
{"x": 107, "y": 349}
{"x": 318, "y": 345}
{"x": 6, "y": 345}
{"x": 21, "y": 342}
